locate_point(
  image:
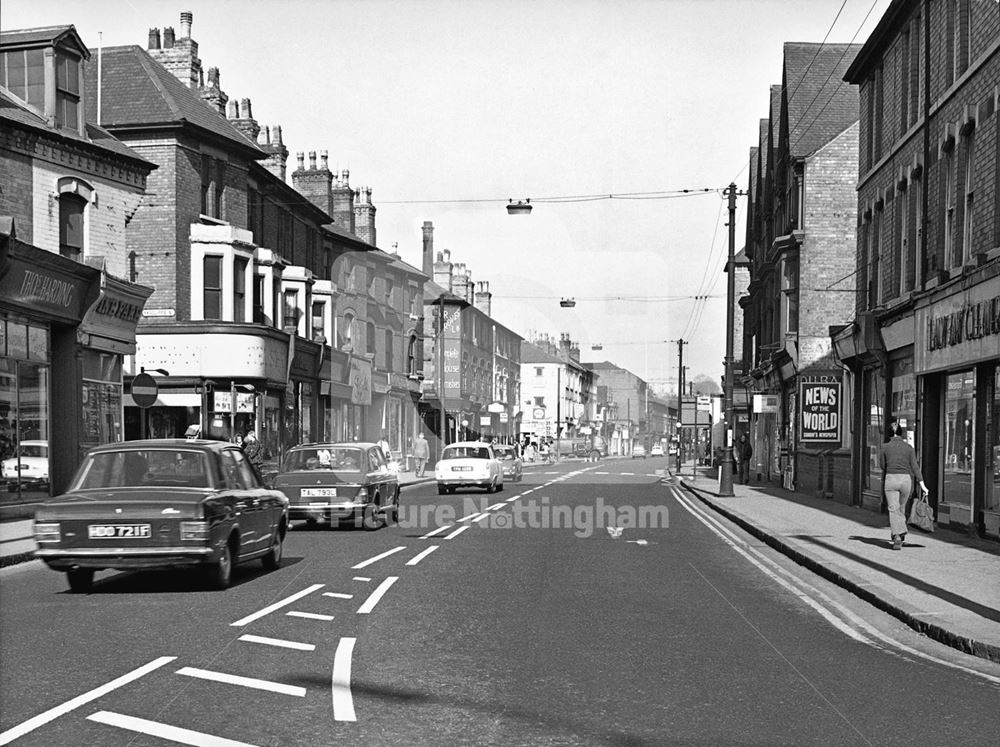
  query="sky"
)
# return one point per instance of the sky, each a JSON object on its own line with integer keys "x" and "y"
{"x": 601, "y": 113}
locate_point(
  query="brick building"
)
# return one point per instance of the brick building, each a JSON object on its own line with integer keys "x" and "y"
{"x": 924, "y": 342}
{"x": 801, "y": 245}
{"x": 68, "y": 315}
{"x": 628, "y": 397}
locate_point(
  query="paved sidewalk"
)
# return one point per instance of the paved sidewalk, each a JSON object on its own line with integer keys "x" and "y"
{"x": 944, "y": 584}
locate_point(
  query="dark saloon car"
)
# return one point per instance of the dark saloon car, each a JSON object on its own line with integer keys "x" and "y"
{"x": 339, "y": 481}
{"x": 162, "y": 504}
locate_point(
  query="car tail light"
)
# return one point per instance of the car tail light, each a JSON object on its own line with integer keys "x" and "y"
{"x": 47, "y": 532}
{"x": 194, "y": 531}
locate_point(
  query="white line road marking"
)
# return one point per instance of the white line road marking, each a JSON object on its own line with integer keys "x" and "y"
{"x": 602, "y": 473}
{"x": 436, "y": 531}
{"x": 33, "y": 723}
{"x": 630, "y": 474}
{"x": 343, "y": 702}
{"x": 163, "y": 731}
{"x": 276, "y": 606}
{"x": 483, "y": 516}
{"x": 233, "y": 679}
{"x": 376, "y": 595}
{"x": 513, "y": 498}
{"x": 830, "y": 602}
{"x": 494, "y": 507}
{"x": 471, "y": 517}
{"x": 457, "y": 532}
{"x": 377, "y": 558}
{"x": 278, "y": 642}
{"x": 309, "y": 615}
{"x": 362, "y": 578}
{"x": 417, "y": 558}
{"x": 336, "y": 595}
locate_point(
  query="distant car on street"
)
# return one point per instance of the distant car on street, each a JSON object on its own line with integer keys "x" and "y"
{"x": 638, "y": 451}
{"x": 158, "y": 504}
{"x": 656, "y": 450}
{"x": 468, "y": 464}
{"x": 337, "y": 482}
{"x": 31, "y": 463}
{"x": 510, "y": 462}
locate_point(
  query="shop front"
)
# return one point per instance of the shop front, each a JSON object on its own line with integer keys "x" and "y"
{"x": 956, "y": 364}
{"x": 64, "y": 327}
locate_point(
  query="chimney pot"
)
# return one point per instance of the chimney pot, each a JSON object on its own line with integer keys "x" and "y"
{"x": 168, "y": 37}
{"x": 213, "y": 77}
{"x": 186, "y": 18}
{"x": 301, "y": 158}
{"x": 312, "y": 160}
{"x": 245, "y": 109}
{"x": 324, "y": 160}
{"x": 233, "y": 110}
{"x": 154, "y": 39}
{"x": 277, "y": 134}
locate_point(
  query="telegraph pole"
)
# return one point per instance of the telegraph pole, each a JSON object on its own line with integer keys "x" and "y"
{"x": 680, "y": 395}
{"x": 726, "y": 468}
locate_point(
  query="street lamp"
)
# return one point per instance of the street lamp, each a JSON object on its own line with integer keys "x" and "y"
{"x": 521, "y": 207}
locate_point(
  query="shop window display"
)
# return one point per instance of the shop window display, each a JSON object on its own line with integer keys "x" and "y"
{"x": 960, "y": 418}
{"x": 993, "y": 482}
{"x": 874, "y": 429}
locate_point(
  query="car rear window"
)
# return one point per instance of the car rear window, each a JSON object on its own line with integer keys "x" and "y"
{"x": 466, "y": 452}
{"x": 144, "y": 468}
{"x": 332, "y": 459}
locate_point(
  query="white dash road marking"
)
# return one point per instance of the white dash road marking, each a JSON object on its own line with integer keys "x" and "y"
{"x": 480, "y": 518}
{"x": 417, "y": 558}
{"x": 234, "y": 679}
{"x": 280, "y": 643}
{"x": 377, "y": 558}
{"x": 602, "y": 473}
{"x": 362, "y": 578}
{"x": 343, "y": 701}
{"x": 494, "y": 507}
{"x": 309, "y": 615}
{"x": 457, "y": 532}
{"x": 163, "y": 731}
{"x": 471, "y": 517}
{"x": 512, "y": 499}
{"x": 33, "y": 723}
{"x": 436, "y": 531}
{"x": 276, "y": 606}
{"x": 376, "y": 595}
{"x": 337, "y": 595}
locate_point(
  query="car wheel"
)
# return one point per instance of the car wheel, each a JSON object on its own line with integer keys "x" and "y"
{"x": 80, "y": 580}
{"x": 451, "y": 490}
{"x": 395, "y": 508}
{"x": 500, "y": 488}
{"x": 370, "y": 520}
{"x": 490, "y": 487}
{"x": 220, "y": 573}
{"x": 272, "y": 560}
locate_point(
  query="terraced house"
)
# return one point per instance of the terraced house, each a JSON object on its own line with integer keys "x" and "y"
{"x": 924, "y": 343}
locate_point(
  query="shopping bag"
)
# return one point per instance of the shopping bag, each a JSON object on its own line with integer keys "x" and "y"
{"x": 921, "y": 514}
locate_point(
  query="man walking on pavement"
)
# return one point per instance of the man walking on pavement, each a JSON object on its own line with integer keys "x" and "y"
{"x": 743, "y": 453}
{"x": 421, "y": 451}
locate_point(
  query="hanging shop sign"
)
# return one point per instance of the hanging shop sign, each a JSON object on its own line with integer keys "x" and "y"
{"x": 360, "y": 382}
{"x": 765, "y": 403}
{"x": 820, "y": 420}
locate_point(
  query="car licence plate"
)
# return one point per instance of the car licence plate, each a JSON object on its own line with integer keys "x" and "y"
{"x": 319, "y": 492}
{"x": 461, "y": 469}
{"x": 119, "y": 531}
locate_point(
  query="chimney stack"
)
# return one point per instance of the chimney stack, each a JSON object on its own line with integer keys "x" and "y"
{"x": 428, "y": 255}
{"x": 315, "y": 184}
{"x": 243, "y": 119}
{"x": 277, "y": 153}
{"x": 483, "y": 297}
{"x": 180, "y": 55}
{"x": 364, "y": 216}
{"x": 442, "y": 270}
{"x": 343, "y": 202}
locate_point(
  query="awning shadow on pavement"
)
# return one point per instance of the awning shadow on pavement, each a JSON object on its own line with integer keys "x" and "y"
{"x": 917, "y": 583}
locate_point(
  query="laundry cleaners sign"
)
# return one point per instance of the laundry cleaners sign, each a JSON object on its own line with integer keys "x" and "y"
{"x": 820, "y": 411}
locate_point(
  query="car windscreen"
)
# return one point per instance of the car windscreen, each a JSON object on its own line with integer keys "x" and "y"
{"x": 33, "y": 450}
{"x": 506, "y": 453}
{"x": 329, "y": 458}
{"x": 144, "y": 468}
{"x": 466, "y": 452}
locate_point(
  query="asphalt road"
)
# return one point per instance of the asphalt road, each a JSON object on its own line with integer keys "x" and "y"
{"x": 532, "y": 625}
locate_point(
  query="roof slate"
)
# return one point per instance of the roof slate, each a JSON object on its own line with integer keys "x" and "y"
{"x": 138, "y": 91}
{"x": 819, "y": 104}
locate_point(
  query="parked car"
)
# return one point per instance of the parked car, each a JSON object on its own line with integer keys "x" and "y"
{"x": 510, "y": 462}
{"x": 656, "y": 450}
{"x": 31, "y": 462}
{"x": 468, "y": 464}
{"x": 336, "y": 482}
{"x": 638, "y": 451}
{"x": 158, "y": 504}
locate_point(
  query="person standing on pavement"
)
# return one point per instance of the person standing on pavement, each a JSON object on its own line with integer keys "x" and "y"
{"x": 383, "y": 444}
{"x": 743, "y": 453}
{"x": 254, "y": 452}
{"x": 899, "y": 469}
{"x": 421, "y": 451}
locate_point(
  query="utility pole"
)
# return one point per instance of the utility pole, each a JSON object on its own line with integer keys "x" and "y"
{"x": 680, "y": 396}
{"x": 726, "y": 468}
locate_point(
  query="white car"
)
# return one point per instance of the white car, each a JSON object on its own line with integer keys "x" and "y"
{"x": 468, "y": 464}
{"x": 656, "y": 451}
{"x": 31, "y": 462}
